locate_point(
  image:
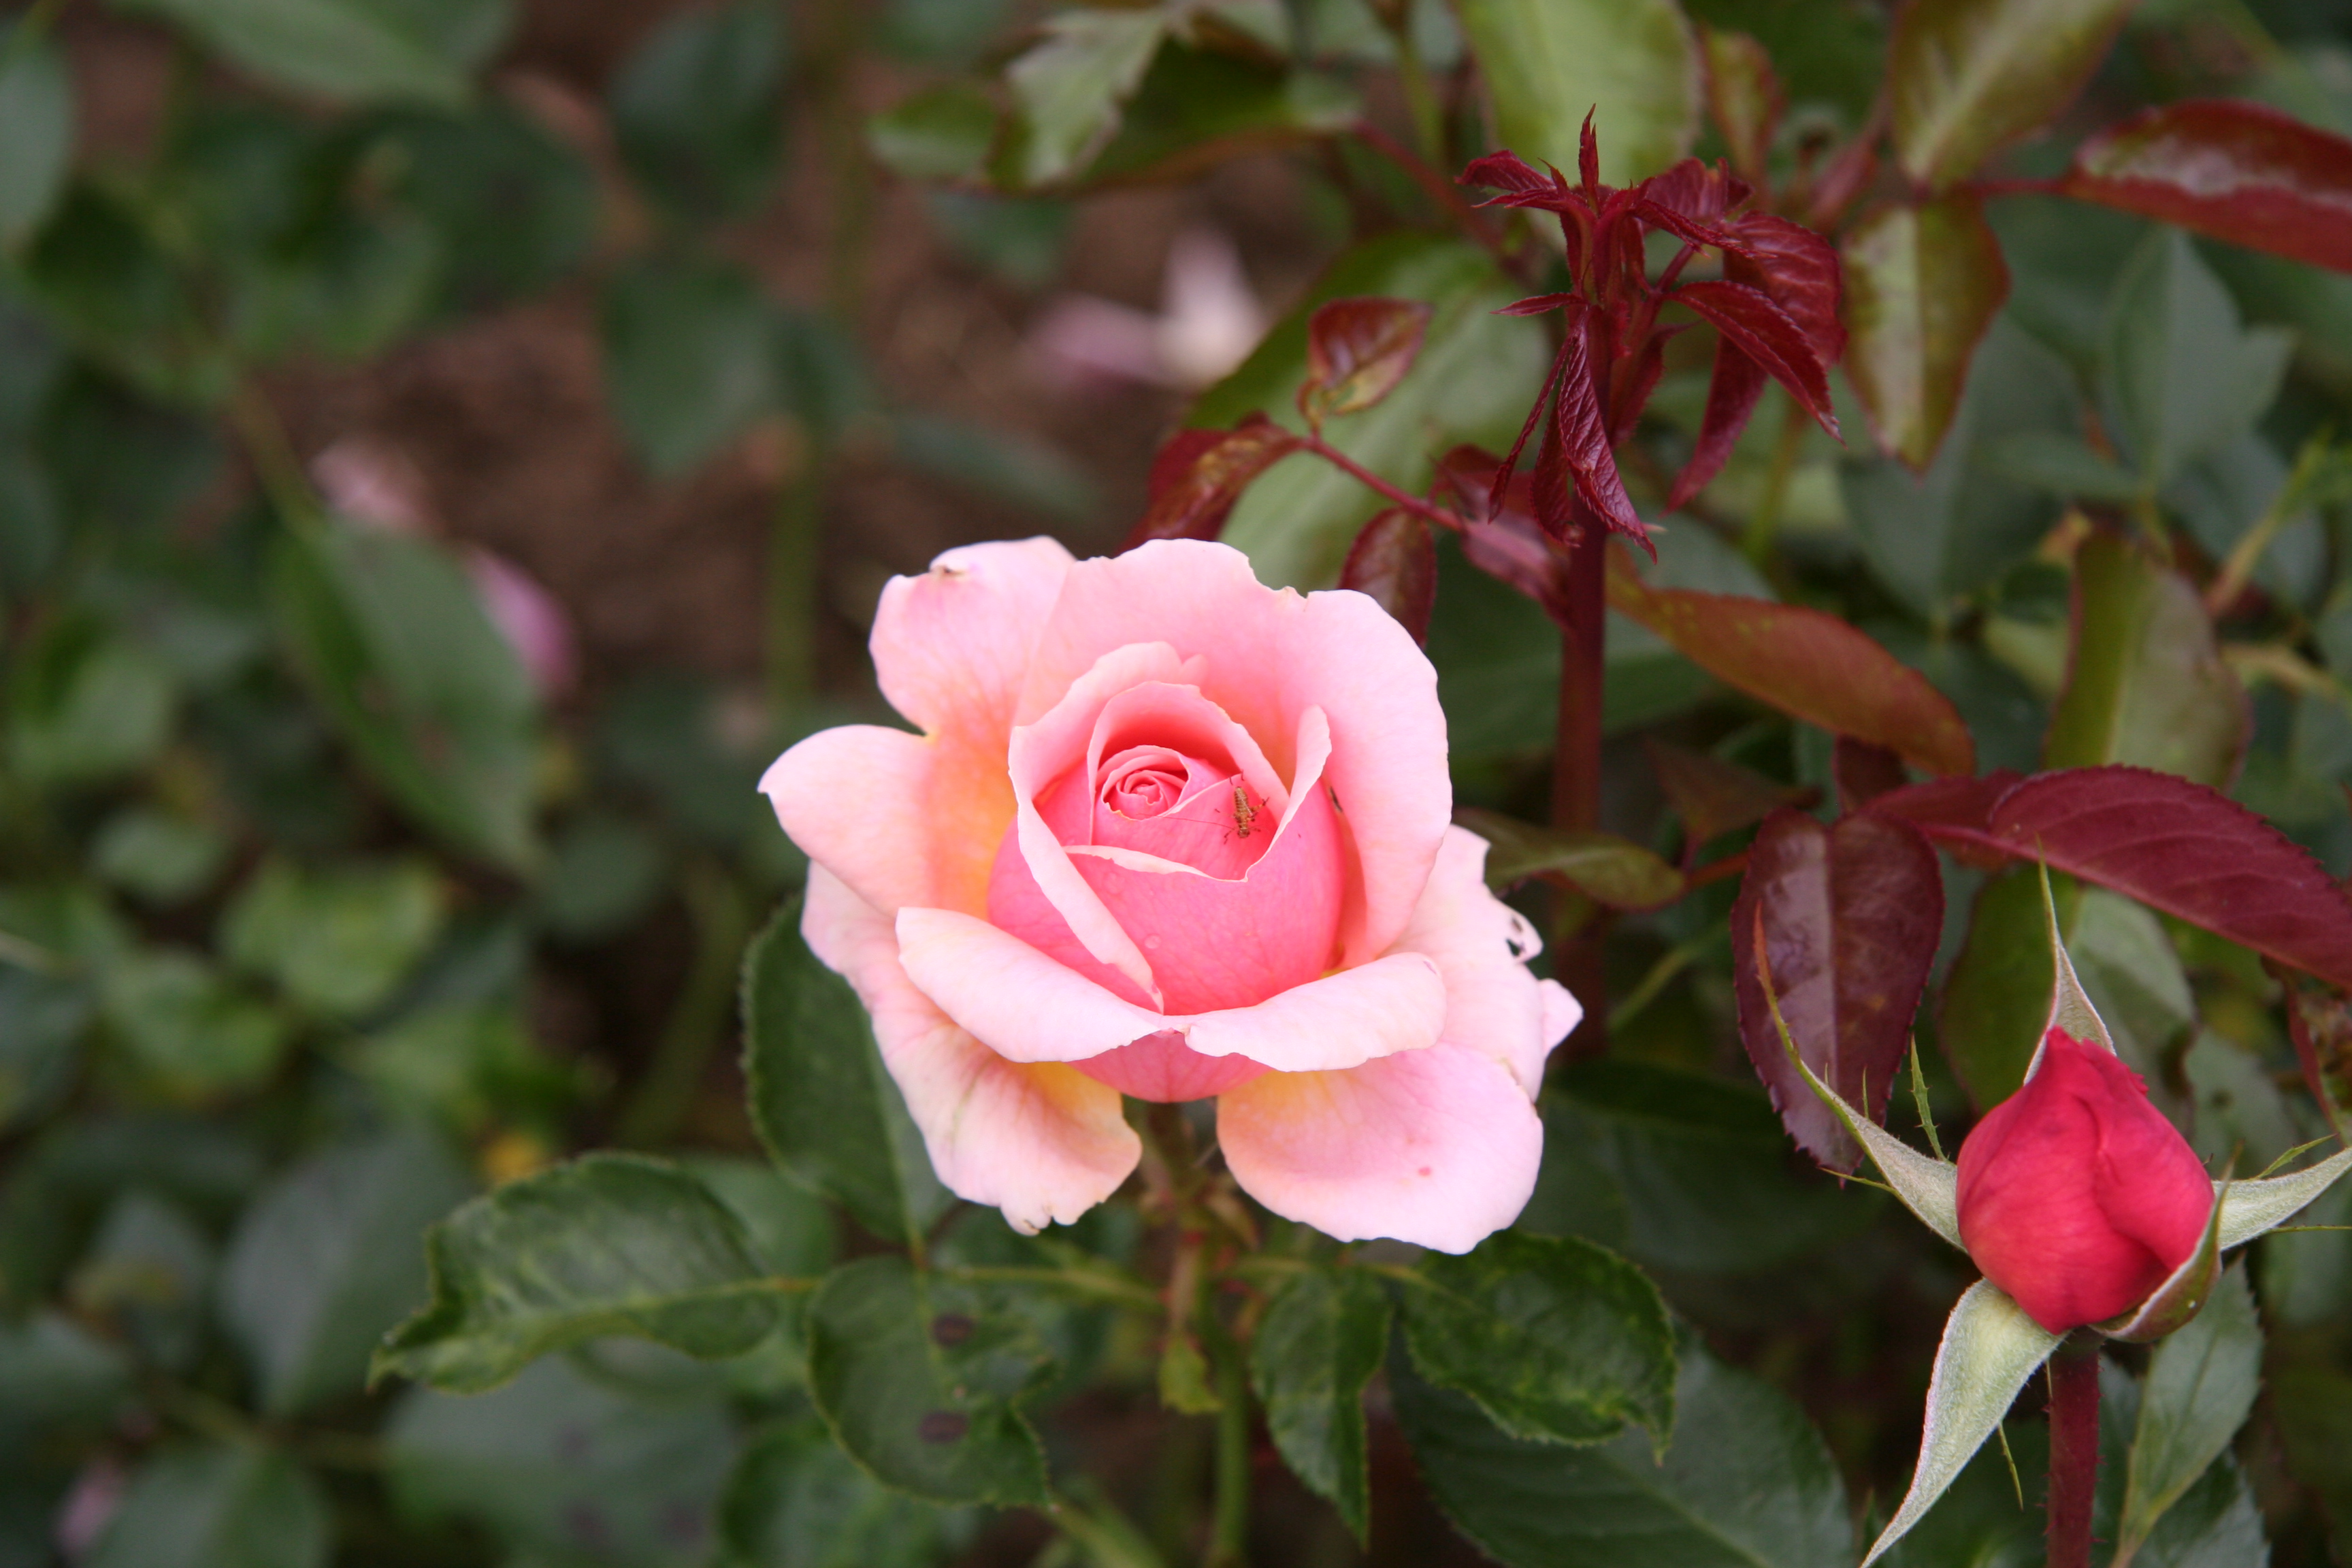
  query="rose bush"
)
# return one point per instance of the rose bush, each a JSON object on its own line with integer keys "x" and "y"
{"x": 1170, "y": 833}
{"x": 2077, "y": 1197}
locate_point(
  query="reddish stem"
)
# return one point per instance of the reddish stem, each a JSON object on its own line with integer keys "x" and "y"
{"x": 1576, "y": 758}
{"x": 1427, "y": 511}
{"x": 1441, "y": 191}
{"x": 2073, "y": 1450}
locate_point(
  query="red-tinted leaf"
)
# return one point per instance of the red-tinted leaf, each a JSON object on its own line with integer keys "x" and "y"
{"x": 2321, "y": 1025}
{"x": 1713, "y": 796}
{"x": 1511, "y": 463}
{"x": 1356, "y": 351}
{"x": 1731, "y": 397}
{"x": 1582, "y": 442}
{"x": 1764, "y": 333}
{"x": 1797, "y": 269}
{"x": 1176, "y": 456}
{"x": 1850, "y": 915}
{"x": 1698, "y": 191}
{"x": 1506, "y": 544}
{"x": 2174, "y": 845}
{"x": 1197, "y": 497}
{"x": 1805, "y": 663}
{"x": 1635, "y": 383}
{"x": 1970, "y": 76}
{"x": 1536, "y": 305}
{"x": 1863, "y": 773}
{"x": 1588, "y": 159}
{"x": 1394, "y": 561}
{"x": 1743, "y": 94}
{"x": 1511, "y": 175}
{"x": 1926, "y": 282}
{"x": 2239, "y": 171}
{"x": 1954, "y": 803}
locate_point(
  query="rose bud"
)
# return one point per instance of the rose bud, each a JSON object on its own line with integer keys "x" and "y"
{"x": 2077, "y": 1197}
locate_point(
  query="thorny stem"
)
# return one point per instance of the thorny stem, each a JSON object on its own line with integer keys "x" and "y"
{"x": 2073, "y": 1450}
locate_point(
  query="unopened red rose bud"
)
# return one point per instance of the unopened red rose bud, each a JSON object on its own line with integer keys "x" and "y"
{"x": 2077, "y": 1197}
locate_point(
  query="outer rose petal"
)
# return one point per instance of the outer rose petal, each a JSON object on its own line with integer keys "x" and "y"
{"x": 1270, "y": 657}
{"x": 856, "y": 799}
{"x": 1043, "y": 1142}
{"x": 1027, "y": 1007}
{"x": 951, "y": 649}
{"x": 1481, "y": 944}
{"x": 1437, "y": 1147}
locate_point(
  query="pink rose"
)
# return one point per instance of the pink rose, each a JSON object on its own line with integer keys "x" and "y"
{"x": 1170, "y": 833}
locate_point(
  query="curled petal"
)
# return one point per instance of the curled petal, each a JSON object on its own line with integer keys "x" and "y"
{"x": 859, "y": 801}
{"x": 1481, "y": 944}
{"x": 1437, "y": 1147}
{"x": 1043, "y": 1142}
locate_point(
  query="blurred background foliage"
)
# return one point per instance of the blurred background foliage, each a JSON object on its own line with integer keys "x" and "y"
{"x": 446, "y": 446}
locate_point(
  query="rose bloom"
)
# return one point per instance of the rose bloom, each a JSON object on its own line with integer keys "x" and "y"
{"x": 2077, "y": 1197}
{"x": 1170, "y": 833}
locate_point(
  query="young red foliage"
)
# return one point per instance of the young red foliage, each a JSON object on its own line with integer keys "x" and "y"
{"x": 1356, "y": 351}
{"x": 1394, "y": 561}
{"x": 1199, "y": 474}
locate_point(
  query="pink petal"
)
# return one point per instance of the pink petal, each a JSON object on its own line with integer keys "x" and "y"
{"x": 1027, "y": 1007}
{"x": 1042, "y": 1143}
{"x": 1162, "y": 1067}
{"x": 1493, "y": 1005}
{"x": 855, "y": 800}
{"x": 1270, "y": 656}
{"x": 1437, "y": 1147}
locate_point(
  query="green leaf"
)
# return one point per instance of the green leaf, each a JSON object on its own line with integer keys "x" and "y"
{"x": 55, "y": 1373}
{"x": 157, "y": 857}
{"x": 940, "y": 134}
{"x": 2251, "y": 1208}
{"x": 86, "y": 706}
{"x": 211, "y": 1505}
{"x": 2064, "y": 466}
{"x": 104, "y": 269}
{"x": 325, "y": 1260}
{"x": 1609, "y": 870}
{"x": 921, "y": 1378}
{"x": 2202, "y": 1381}
{"x": 1631, "y": 63}
{"x": 2182, "y": 377}
{"x": 42, "y": 1021}
{"x": 348, "y": 52}
{"x": 1070, "y": 88}
{"x": 1556, "y": 1339}
{"x": 1475, "y": 375}
{"x": 557, "y": 1465}
{"x": 1922, "y": 283}
{"x": 1991, "y": 1347}
{"x": 1971, "y": 75}
{"x": 36, "y": 106}
{"x": 1195, "y": 108}
{"x": 1323, "y": 1336}
{"x": 338, "y": 940}
{"x": 186, "y": 1027}
{"x": 1938, "y": 536}
{"x": 796, "y": 1501}
{"x": 696, "y": 109}
{"x": 820, "y": 1097}
{"x": 602, "y": 871}
{"x": 610, "y": 1244}
{"x": 1745, "y": 1483}
{"x": 2147, "y": 684}
{"x": 513, "y": 208}
{"x": 1980, "y": 1521}
{"x": 397, "y": 647}
{"x": 688, "y": 358}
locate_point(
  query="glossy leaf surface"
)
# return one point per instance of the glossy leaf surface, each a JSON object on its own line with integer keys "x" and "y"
{"x": 2237, "y": 171}
{"x": 820, "y": 1098}
{"x": 2146, "y": 684}
{"x": 611, "y": 1244}
{"x": 1971, "y": 75}
{"x": 919, "y": 1378}
{"x": 1750, "y": 318}
{"x": 1356, "y": 351}
{"x": 1714, "y": 796}
{"x": 1556, "y": 1340}
{"x": 1923, "y": 284}
{"x": 1323, "y": 1335}
{"x": 1808, "y": 664}
{"x": 1851, "y": 914}
{"x": 1394, "y": 561}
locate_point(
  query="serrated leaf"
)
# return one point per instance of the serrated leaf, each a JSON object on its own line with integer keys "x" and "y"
{"x": 2249, "y": 1208}
{"x": 1807, "y": 663}
{"x": 1609, "y": 870}
{"x": 1849, "y": 915}
{"x": 208, "y": 1505}
{"x": 921, "y": 1378}
{"x": 1970, "y": 76}
{"x": 820, "y": 1097}
{"x": 1323, "y": 1336}
{"x": 1356, "y": 351}
{"x": 1557, "y": 1339}
{"x": 1632, "y": 64}
{"x": 1746, "y": 1481}
{"x": 1923, "y": 284}
{"x": 1990, "y": 1349}
{"x": 2237, "y": 171}
{"x": 1071, "y": 87}
{"x": 796, "y": 1501}
{"x": 325, "y": 1260}
{"x": 2200, "y": 1384}
{"x": 608, "y": 1245}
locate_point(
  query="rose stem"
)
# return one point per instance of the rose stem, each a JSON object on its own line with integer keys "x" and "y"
{"x": 2073, "y": 1450}
{"x": 1229, "y": 1535}
{"x": 1576, "y": 762}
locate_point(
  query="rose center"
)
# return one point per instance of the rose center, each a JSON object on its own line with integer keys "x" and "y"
{"x": 1145, "y": 782}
